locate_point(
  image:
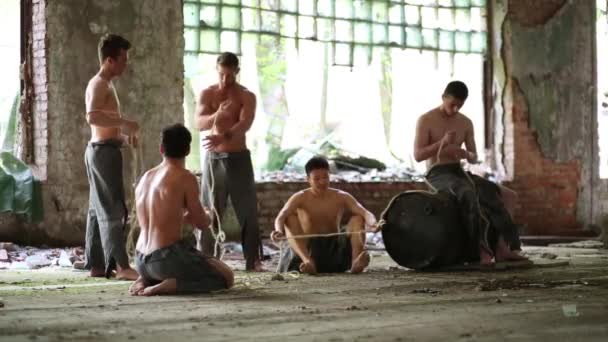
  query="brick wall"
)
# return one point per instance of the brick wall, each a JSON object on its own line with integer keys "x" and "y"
{"x": 547, "y": 190}
{"x": 373, "y": 196}
{"x": 545, "y": 50}
{"x": 40, "y": 85}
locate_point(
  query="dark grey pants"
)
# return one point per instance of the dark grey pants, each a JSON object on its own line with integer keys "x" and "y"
{"x": 480, "y": 196}
{"x": 107, "y": 215}
{"x": 332, "y": 254}
{"x": 182, "y": 262}
{"x": 232, "y": 178}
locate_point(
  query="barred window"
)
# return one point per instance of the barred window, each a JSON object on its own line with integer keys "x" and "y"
{"x": 352, "y": 27}
{"x": 336, "y": 70}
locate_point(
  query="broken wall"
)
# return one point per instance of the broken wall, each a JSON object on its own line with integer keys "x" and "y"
{"x": 151, "y": 91}
{"x": 544, "y": 106}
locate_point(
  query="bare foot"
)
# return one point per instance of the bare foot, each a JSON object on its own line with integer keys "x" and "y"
{"x": 485, "y": 258}
{"x": 167, "y": 286}
{"x": 504, "y": 253}
{"x": 308, "y": 267}
{"x": 360, "y": 263}
{"x": 126, "y": 274}
{"x": 257, "y": 267}
{"x": 509, "y": 255}
{"x": 97, "y": 272}
{"x": 137, "y": 286}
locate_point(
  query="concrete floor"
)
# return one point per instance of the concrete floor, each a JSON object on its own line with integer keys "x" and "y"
{"x": 387, "y": 303}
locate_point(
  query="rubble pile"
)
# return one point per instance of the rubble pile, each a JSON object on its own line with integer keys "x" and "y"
{"x": 15, "y": 257}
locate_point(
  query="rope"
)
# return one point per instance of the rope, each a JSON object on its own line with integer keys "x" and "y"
{"x": 220, "y": 236}
{"x": 481, "y": 214}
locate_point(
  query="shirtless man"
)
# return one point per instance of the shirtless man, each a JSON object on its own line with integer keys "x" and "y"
{"x": 440, "y": 134}
{"x": 226, "y": 110}
{"x": 167, "y": 196}
{"x": 106, "y": 219}
{"x": 319, "y": 210}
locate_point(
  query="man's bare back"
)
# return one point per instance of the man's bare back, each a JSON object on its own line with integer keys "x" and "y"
{"x": 161, "y": 200}
{"x": 435, "y": 126}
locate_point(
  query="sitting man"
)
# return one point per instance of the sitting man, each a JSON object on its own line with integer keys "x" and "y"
{"x": 440, "y": 134}
{"x": 319, "y": 210}
{"x": 167, "y": 197}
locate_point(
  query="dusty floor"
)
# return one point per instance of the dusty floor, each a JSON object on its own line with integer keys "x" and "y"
{"x": 387, "y": 303}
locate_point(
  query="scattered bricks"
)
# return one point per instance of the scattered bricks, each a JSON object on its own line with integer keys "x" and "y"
{"x": 4, "y": 255}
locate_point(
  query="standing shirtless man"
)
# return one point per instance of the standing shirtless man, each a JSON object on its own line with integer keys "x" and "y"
{"x": 319, "y": 210}
{"x": 167, "y": 197}
{"x": 440, "y": 134}
{"x": 227, "y": 110}
{"x": 106, "y": 219}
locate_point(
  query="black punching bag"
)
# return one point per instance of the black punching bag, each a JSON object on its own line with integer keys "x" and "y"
{"x": 423, "y": 230}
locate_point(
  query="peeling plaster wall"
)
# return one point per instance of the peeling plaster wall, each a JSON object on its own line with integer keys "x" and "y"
{"x": 150, "y": 91}
{"x": 544, "y": 61}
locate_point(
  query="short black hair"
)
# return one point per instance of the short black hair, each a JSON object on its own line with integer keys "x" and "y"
{"x": 457, "y": 89}
{"x": 110, "y": 45}
{"x": 228, "y": 59}
{"x": 175, "y": 140}
{"x": 316, "y": 162}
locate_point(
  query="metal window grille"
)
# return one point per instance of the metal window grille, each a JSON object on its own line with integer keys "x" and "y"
{"x": 350, "y": 26}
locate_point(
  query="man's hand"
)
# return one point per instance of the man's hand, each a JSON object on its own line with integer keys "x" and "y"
{"x": 187, "y": 217}
{"x": 213, "y": 140}
{"x": 454, "y": 151}
{"x": 130, "y": 126}
{"x": 277, "y": 236}
{"x": 132, "y": 140}
{"x": 472, "y": 157}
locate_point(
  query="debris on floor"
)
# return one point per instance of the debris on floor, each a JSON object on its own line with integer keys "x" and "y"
{"x": 569, "y": 310}
{"x": 390, "y": 174}
{"x": 427, "y": 290}
{"x": 580, "y": 244}
{"x": 15, "y": 257}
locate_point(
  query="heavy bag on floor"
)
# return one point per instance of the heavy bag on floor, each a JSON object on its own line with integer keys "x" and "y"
{"x": 422, "y": 230}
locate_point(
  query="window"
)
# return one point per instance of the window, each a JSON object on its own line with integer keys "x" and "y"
{"x": 353, "y": 73}
{"x": 10, "y": 59}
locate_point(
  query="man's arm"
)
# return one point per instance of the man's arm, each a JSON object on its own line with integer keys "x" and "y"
{"x": 422, "y": 149}
{"x": 205, "y": 116}
{"x": 290, "y": 208}
{"x": 196, "y": 214}
{"x": 103, "y": 118}
{"x": 469, "y": 143}
{"x": 246, "y": 116}
{"x": 356, "y": 208}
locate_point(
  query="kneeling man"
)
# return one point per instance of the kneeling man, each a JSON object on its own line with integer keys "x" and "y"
{"x": 166, "y": 197}
{"x": 319, "y": 210}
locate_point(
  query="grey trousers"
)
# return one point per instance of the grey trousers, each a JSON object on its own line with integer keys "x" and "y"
{"x": 232, "y": 178}
{"x": 331, "y": 254}
{"x": 181, "y": 261}
{"x": 107, "y": 215}
{"x": 481, "y": 196}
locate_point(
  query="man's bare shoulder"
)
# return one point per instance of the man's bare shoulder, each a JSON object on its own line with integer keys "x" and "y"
{"x": 246, "y": 94}
{"x": 428, "y": 117}
{"x": 142, "y": 183}
{"x": 96, "y": 84}
{"x": 185, "y": 175}
{"x": 341, "y": 193}
{"x": 300, "y": 195}
{"x": 210, "y": 91}
{"x": 465, "y": 119}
